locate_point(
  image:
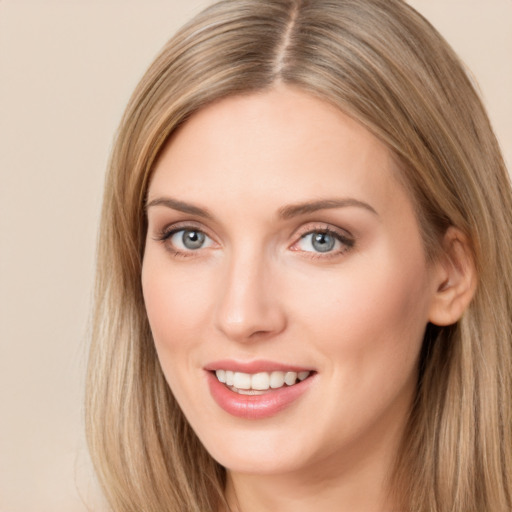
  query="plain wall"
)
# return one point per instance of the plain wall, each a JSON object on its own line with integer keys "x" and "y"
{"x": 67, "y": 69}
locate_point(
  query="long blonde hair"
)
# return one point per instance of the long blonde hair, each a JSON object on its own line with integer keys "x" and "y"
{"x": 387, "y": 67}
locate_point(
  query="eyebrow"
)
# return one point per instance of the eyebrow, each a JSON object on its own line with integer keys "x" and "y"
{"x": 295, "y": 210}
{"x": 180, "y": 206}
{"x": 286, "y": 212}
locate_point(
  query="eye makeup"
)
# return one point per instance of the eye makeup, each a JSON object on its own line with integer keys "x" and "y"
{"x": 312, "y": 240}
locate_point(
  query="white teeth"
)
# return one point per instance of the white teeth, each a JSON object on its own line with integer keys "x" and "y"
{"x": 248, "y": 391}
{"x": 261, "y": 381}
{"x": 276, "y": 380}
{"x": 290, "y": 378}
{"x": 242, "y": 380}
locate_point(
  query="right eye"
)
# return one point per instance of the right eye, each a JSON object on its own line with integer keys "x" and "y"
{"x": 186, "y": 240}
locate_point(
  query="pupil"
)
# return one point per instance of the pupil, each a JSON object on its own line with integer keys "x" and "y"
{"x": 193, "y": 239}
{"x": 323, "y": 242}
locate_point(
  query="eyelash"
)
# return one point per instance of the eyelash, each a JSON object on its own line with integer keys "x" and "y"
{"x": 346, "y": 240}
{"x": 167, "y": 233}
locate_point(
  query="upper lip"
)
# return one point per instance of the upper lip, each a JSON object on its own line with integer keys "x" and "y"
{"x": 256, "y": 366}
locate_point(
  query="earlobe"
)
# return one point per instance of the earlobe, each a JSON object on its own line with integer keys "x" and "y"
{"x": 455, "y": 279}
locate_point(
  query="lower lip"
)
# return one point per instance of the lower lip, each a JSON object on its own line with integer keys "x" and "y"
{"x": 254, "y": 407}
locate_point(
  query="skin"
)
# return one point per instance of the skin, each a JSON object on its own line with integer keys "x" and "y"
{"x": 259, "y": 289}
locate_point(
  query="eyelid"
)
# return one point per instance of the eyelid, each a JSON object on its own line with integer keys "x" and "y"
{"x": 168, "y": 230}
{"x": 312, "y": 227}
{"x": 343, "y": 236}
{"x": 165, "y": 235}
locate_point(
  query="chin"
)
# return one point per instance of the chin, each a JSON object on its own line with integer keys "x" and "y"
{"x": 258, "y": 450}
{"x": 268, "y": 462}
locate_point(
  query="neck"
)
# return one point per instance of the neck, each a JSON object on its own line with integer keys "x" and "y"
{"x": 288, "y": 493}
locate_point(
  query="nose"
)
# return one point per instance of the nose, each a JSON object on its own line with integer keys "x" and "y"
{"x": 249, "y": 308}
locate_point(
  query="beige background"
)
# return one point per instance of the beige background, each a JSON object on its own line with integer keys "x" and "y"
{"x": 66, "y": 70}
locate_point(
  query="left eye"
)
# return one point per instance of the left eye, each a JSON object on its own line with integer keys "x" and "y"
{"x": 190, "y": 240}
{"x": 320, "y": 241}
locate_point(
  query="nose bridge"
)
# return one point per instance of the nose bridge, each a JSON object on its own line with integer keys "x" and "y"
{"x": 248, "y": 305}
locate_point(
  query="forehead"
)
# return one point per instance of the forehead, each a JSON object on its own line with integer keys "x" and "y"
{"x": 284, "y": 145}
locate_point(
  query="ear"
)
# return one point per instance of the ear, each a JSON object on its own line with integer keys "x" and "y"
{"x": 455, "y": 279}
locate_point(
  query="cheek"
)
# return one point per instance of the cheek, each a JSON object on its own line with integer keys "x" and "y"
{"x": 176, "y": 306}
{"x": 369, "y": 317}
{"x": 176, "y": 303}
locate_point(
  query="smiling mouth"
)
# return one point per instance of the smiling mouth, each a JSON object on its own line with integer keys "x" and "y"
{"x": 259, "y": 383}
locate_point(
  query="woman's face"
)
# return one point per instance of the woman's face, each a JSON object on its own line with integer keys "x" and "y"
{"x": 282, "y": 247}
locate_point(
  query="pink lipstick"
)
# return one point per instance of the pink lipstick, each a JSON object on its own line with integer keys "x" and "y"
{"x": 256, "y": 389}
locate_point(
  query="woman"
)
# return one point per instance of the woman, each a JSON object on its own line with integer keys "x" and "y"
{"x": 304, "y": 282}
